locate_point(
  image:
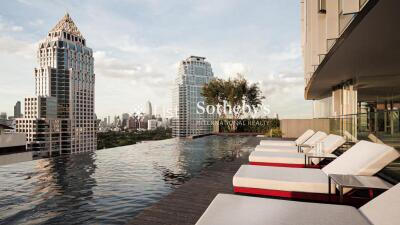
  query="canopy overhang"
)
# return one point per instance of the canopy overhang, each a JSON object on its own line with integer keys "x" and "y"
{"x": 367, "y": 54}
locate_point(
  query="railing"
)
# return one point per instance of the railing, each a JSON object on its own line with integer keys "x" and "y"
{"x": 382, "y": 123}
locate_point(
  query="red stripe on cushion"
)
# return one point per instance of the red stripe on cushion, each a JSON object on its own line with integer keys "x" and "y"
{"x": 285, "y": 194}
{"x": 282, "y": 165}
{"x": 277, "y": 164}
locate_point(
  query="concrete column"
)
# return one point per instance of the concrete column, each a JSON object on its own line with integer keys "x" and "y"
{"x": 344, "y": 103}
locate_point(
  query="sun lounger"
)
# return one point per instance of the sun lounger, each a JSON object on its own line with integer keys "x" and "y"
{"x": 364, "y": 158}
{"x": 238, "y": 210}
{"x": 286, "y": 159}
{"x": 300, "y": 140}
{"x": 312, "y": 141}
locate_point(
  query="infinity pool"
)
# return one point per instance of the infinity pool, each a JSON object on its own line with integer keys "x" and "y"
{"x": 110, "y": 186}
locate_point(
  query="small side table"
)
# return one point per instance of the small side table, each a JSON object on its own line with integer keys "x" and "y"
{"x": 301, "y": 146}
{"x": 356, "y": 182}
{"x": 309, "y": 156}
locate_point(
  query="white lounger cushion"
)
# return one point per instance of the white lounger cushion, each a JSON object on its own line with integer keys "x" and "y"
{"x": 277, "y": 143}
{"x": 276, "y": 157}
{"x": 364, "y": 158}
{"x": 300, "y": 140}
{"x": 331, "y": 143}
{"x": 281, "y": 178}
{"x": 317, "y": 137}
{"x": 304, "y": 137}
{"x": 238, "y": 210}
{"x": 269, "y": 148}
{"x": 384, "y": 209}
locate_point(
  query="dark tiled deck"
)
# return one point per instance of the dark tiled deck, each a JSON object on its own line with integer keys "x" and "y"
{"x": 186, "y": 204}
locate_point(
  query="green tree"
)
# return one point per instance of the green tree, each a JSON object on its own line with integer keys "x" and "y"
{"x": 234, "y": 92}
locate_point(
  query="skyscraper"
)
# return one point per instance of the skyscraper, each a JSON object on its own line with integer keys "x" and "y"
{"x": 17, "y": 110}
{"x": 193, "y": 73}
{"x": 148, "y": 109}
{"x": 3, "y": 117}
{"x": 60, "y": 118}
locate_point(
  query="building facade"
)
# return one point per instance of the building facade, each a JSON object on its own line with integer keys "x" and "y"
{"x": 152, "y": 124}
{"x": 17, "y": 110}
{"x": 3, "y": 118}
{"x": 60, "y": 118}
{"x": 351, "y": 56}
{"x": 193, "y": 73}
{"x": 352, "y": 72}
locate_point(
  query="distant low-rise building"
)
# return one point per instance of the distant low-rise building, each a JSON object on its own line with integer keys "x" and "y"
{"x": 11, "y": 142}
{"x": 152, "y": 124}
{"x": 124, "y": 122}
{"x": 133, "y": 123}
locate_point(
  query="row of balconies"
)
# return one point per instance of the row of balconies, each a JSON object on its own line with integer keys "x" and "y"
{"x": 323, "y": 22}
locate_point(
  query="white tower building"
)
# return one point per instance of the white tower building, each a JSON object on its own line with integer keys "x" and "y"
{"x": 193, "y": 73}
{"x": 148, "y": 109}
{"x": 60, "y": 118}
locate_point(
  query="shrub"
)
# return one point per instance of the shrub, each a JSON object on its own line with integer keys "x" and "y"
{"x": 249, "y": 125}
{"x": 274, "y": 132}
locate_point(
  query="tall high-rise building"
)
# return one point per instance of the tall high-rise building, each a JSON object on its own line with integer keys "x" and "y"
{"x": 3, "y": 117}
{"x": 60, "y": 118}
{"x": 17, "y": 110}
{"x": 193, "y": 73}
{"x": 148, "y": 110}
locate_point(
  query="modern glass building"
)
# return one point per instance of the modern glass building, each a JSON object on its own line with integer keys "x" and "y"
{"x": 60, "y": 118}
{"x": 351, "y": 63}
{"x": 193, "y": 73}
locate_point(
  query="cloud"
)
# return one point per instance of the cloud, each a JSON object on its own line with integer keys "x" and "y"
{"x": 284, "y": 93}
{"x": 9, "y": 45}
{"x": 6, "y": 26}
{"x": 111, "y": 67}
{"x": 36, "y": 23}
{"x": 17, "y": 28}
{"x": 114, "y": 68}
{"x": 290, "y": 52}
{"x": 231, "y": 69}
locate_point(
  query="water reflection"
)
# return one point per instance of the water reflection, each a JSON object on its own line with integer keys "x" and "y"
{"x": 61, "y": 187}
{"x": 106, "y": 187}
{"x": 195, "y": 155}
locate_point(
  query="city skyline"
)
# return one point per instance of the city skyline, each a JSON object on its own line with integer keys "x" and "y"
{"x": 131, "y": 58}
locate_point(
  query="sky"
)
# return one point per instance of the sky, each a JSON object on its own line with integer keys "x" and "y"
{"x": 138, "y": 45}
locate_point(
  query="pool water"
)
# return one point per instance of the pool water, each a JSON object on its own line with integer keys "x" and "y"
{"x": 109, "y": 186}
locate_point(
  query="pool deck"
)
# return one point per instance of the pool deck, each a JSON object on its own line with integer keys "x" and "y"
{"x": 186, "y": 204}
